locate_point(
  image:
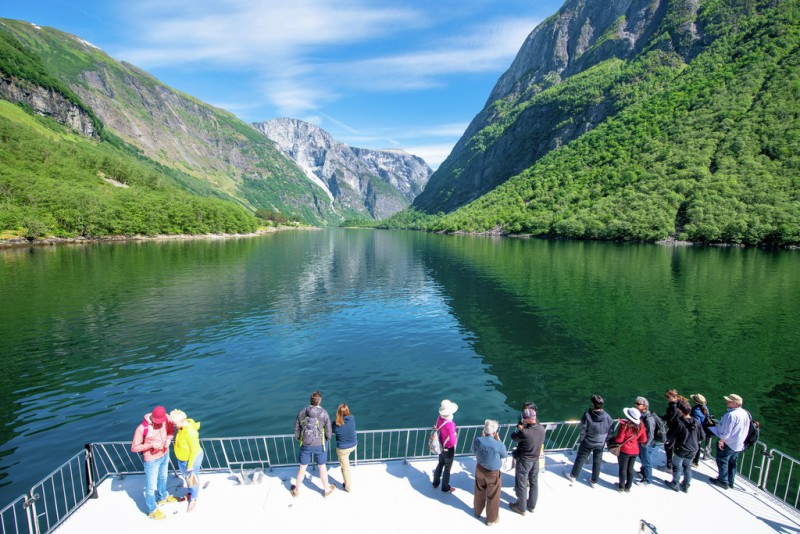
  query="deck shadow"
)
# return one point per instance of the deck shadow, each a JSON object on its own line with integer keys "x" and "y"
{"x": 420, "y": 481}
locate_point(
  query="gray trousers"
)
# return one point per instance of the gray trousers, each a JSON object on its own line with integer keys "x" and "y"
{"x": 526, "y": 482}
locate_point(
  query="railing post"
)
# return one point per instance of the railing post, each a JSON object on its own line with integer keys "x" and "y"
{"x": 405, "y": 455}
{"x": 90, "y": 470}
{"x": 762, "y": 482}
{"x": 30, "y": 511}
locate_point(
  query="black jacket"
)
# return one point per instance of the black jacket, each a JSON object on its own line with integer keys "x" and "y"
{"x": 595, "y": 427}
{"x": 685, "y": 436}
{"x": 529, "y": 441}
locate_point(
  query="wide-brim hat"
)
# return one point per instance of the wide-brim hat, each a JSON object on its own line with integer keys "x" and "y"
{"x": 158, "y": 415}
{"x": 447, "y": 408}
{"x": 698, "y": 398}
{"x": 633, "y": 415}
{"x": 733, "y": 397}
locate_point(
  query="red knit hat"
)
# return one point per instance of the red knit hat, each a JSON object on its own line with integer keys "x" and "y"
{"x": 159, "y": 415}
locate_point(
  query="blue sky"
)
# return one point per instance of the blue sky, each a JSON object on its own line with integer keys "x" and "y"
{"x": 375, "y": 74}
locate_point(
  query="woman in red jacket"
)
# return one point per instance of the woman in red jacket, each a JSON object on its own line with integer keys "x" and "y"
{"x": 630, "y": 433}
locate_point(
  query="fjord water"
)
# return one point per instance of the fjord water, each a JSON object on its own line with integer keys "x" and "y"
{"x": 238, "y": 332}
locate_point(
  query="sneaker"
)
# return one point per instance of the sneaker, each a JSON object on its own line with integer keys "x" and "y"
{"x": 592, "y": 483}
{"x": 641, "y": 482}
{"x": 619, "y": 488}
{"x": 490, "y": 523}
{"x": 627, "y": 490}
{"x": 191, "y": 506}
{"x": 516, "y": 507}
{"x": 685, "y": 488}
{"x": 569, "y": 476}
{"x": 451, "y": 490}
{"x": 530, "y": 510}
{"x": 671, "y": 484}
{"x": 158, "y": 514}
{"x": 169, "y": 499}
{"x": 331, "y": 487}
{"x": 695, "y": 464}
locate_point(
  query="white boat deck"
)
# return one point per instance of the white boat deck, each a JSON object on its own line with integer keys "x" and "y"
{"x": 398, "y": 497}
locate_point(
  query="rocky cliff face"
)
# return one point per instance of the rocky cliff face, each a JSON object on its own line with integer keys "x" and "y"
{"x": 515, "y": 128}
{"x": 48, "y": 103}
{"x": 370, "y": 183}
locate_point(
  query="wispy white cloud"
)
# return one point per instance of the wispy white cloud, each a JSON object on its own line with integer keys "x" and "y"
{"x": 433, "y": 155}
{"x": 287, "y": 45}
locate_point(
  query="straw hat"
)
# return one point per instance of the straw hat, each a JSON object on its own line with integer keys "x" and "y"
{"x": 698, "y": 398}
{"x": 733, "y": 397}
{"x": 447, "y": 408}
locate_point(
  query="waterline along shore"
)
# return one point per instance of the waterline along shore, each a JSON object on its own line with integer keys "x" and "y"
{"x": 80, "y": 240}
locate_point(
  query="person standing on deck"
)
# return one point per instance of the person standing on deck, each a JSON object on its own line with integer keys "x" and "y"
{"x": 669, "y": 418}
{"x": 703, "y": 417}
{"x": 313, "y": 429}
{"x": 686, "y": 437}
{"x": 448, "y": 438}
{"x": 153, "y": 438}
{"x": 596, "y": 426}
{"x": 344, "y": 428}
{"x": 646, "y": 449}
{"x": 489, "y": 453}
{"x": 630, "y": 434}
{"x": 732, "y": 431}
{"x": 530, "y": 438}
{"x": 188, "y": 452}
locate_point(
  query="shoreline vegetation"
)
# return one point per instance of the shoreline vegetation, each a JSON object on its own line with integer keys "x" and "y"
{"x": 21, "y": 242}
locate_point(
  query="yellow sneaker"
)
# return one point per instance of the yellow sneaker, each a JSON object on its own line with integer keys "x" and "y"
{"x": 158, "y": 514}
{"x": 168, "y": 500}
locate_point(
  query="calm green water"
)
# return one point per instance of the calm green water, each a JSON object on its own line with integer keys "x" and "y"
{"x": 238, "y": 333}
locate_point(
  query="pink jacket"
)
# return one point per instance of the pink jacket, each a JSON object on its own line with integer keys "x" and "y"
{"x": 447, "y": 432}
{"x": 157, "y": 441}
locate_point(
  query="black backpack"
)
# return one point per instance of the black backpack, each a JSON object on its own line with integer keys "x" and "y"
{"x": 660, "y": 431}
{"x": 753, "y": 432}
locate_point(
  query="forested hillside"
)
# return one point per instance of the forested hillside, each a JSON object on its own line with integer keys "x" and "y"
{"x": 700, "y": 145}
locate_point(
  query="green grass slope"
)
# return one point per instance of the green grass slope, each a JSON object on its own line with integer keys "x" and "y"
{"x": 707, "y": 152}
{"x": 170, "y": 127}
{"x": 54, "y": 182}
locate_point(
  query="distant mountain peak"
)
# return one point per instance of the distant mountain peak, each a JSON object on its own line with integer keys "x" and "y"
{"x": 365, "y": 182}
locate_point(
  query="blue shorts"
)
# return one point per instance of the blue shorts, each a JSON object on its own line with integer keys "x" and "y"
{"x": 309, "y": 454}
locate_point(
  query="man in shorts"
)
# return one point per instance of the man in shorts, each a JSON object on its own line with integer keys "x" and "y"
{"x": 312, "y": 428}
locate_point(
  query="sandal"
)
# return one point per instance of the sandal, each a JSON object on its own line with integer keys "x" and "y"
{"x": 330, "y": 490}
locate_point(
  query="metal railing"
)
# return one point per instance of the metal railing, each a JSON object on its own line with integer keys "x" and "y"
{"x": 51, "y": 501}
{"x": 15, "y": 519}
{"x": 782, "y": 478}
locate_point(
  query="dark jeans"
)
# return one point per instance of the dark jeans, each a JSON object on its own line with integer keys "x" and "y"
{"x": 679, "y": 463}
{"x": 442, "y": 472}
{"x": 487, "y": 493}
{"x": 646, "y": 457}
{"x": 626, "y": 464}
{"x": 703, "y": 446}
{"x": 527, "y": 473}
{"x": 726, "y": 464}
{"x": 668, "y": 450}
{"x": 583, "y": 454}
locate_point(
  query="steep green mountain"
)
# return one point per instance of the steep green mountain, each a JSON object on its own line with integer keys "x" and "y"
{"x": 55, "y": 181}
{"x": 636, "y": 120}
{"x": 167, "y": 126}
